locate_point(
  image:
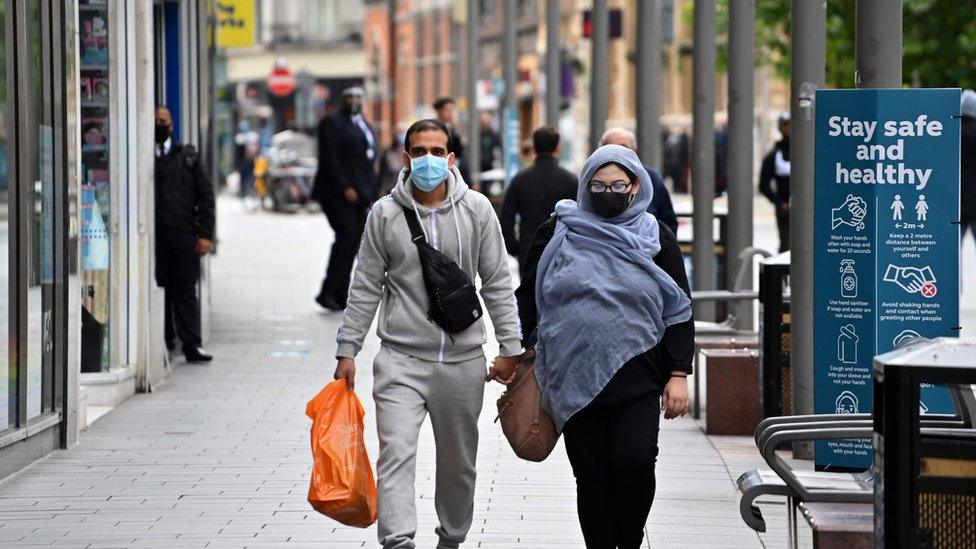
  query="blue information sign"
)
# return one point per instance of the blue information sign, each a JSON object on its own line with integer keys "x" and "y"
{"x": 886, "y": 243}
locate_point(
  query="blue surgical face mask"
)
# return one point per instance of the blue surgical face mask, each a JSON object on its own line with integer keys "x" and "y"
{"x": 428, "y": 171}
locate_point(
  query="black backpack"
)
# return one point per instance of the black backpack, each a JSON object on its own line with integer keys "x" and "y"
{"x": 454, "y": 303}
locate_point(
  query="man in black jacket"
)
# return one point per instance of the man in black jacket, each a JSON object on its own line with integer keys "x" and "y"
{"x": 661, "y": 206}
{"x": 967, "y": 163}
{"x": 184, "y": 233}
{"x": 533, "y": 192}
{"x": 345, "y": 185}
{"x": 776, "y": 170}
{"x": 444, "y": 107}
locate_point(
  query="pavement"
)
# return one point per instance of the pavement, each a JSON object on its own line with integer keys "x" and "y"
{"x": 219, "y": 455}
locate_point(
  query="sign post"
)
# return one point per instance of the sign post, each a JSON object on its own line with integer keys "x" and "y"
{"x": 886, "y": 261}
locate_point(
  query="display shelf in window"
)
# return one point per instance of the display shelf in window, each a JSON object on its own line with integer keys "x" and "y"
{"x": 94, "y": 91}
{"x": 94, "y": 39}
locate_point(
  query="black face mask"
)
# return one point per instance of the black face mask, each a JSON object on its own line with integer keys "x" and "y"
{"x": 162, "y": 133}
{"x": 610, "y": 204}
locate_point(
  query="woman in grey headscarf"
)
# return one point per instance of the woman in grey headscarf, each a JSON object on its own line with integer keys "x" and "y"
{"x": 605, "y": 301}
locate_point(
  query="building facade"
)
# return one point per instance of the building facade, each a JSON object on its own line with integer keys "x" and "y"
{"x": 83, "y": 317}
{"x": 405, "y": 68}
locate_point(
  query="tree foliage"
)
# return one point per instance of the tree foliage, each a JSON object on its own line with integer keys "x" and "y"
{"x": 939, "y": 40}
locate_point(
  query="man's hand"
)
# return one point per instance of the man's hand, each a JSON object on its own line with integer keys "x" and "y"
{"x": 346, "y": 369}
{"x": 204, "y": 246}
{"x": 351, "y": 195}
{"x": 785, "y": 206}
{"x": 674, "y": 400}
{"x": 503, "y": 369}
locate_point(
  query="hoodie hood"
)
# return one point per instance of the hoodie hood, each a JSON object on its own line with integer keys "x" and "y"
{"x": 403, "y": 192}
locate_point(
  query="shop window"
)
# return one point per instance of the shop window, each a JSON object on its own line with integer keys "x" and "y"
{"x": 95, "y": 189}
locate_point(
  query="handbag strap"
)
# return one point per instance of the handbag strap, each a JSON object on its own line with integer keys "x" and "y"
{"x": 416, "y": 232}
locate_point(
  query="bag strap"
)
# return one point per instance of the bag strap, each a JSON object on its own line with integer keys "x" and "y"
{"x": 416, "y": 232}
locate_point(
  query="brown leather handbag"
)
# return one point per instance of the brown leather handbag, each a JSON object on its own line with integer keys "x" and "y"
{"x": 529, "y": 429}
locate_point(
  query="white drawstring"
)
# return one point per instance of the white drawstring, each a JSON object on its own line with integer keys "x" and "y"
{"x": 420, "y": 221}
{"x": 457, "y": 226}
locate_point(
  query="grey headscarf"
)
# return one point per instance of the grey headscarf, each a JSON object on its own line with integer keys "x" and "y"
{"x": 601, "y": 299}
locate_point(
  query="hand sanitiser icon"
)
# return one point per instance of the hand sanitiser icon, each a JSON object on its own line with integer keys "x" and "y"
{"x": 848, "y": 279}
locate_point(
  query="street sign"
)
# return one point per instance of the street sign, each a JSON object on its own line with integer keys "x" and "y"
{"x": 886, "y": 259}
{"x": 235, "y": 23}
{"x": 281, "y": 81}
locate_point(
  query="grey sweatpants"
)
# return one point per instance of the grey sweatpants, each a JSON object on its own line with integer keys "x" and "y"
{"x": 406, "y": 390}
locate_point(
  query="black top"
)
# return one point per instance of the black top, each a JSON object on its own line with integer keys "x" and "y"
{"x": 779, "y": 195}
{"x": 661, "y": 206}
{"x": 968, "y": 170}
{"x": 645, "y": 373}
{"x": 344, "y": 160}
{"x": 184, "y": 202}
{"x": 533, "y": 195}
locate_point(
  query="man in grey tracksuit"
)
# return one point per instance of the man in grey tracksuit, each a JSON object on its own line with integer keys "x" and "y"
{"x": 420, "y": 369}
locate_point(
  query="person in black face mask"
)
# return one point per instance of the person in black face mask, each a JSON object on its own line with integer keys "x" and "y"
{"x": 346, "y": 184}
{"x": 184, "y": 233}
{"x": 605, "y": 302}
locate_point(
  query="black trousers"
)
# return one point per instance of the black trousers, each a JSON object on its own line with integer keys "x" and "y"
{"x": 783, "y": 224}
{"x": 177, "y": 271}
{"x": 613, "y": 450}
{"x": 348, "y": 223}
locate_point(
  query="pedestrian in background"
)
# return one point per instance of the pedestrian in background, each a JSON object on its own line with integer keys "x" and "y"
{"x": 774, "y": 180}
{"x": 677, "y": 159}
{"x": 661, "y": 206}
{"x": 184, "y": 207}
{"x": 420, "y": 369}
{"x": 968, "y": 165}
{"x": 345, "y": 185}
{"x": 444, "y": 107}
{"x": 390, "y": 165}
{"x": 534, "y": 192}
{"x": 491, "y": 143}
{"x": 605, "y": 294}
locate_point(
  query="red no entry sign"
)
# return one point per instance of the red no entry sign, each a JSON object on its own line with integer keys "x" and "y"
{"x": 281, "y": 81}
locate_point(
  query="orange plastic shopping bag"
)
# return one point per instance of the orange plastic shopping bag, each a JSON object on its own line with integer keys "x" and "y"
{"x": 342, "y": 485}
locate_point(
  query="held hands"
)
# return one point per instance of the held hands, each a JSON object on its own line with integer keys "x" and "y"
{"x": 503, "y": 370}
{"x": 351, "y": 195}
{"x": 674, "y": 399}
{"x": 346, "y": 369}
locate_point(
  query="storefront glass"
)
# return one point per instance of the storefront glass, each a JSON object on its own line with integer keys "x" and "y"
{"x": 40, "y": 228}
{"x": 95, "y": 190}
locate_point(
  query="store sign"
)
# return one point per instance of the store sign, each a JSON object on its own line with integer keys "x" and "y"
{"x": 235, "y": 23}
{"x": 281, "y": 81}
{"x": 886, "y": 233}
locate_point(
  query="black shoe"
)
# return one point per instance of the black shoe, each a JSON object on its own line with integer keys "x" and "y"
{"x": 328, "y": 302}
{"x": 197, "y": 354}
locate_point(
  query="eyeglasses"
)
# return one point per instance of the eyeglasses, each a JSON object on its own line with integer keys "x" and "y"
{"x": 619, "y": 186}
{"x": 417, "y": 152}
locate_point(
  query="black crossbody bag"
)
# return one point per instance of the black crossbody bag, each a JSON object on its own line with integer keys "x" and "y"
{"x": 454, "y": 303}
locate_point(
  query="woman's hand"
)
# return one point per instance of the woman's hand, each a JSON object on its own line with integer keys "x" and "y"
{"x": 674, "y": 400}
{"x": 503, "y": 369}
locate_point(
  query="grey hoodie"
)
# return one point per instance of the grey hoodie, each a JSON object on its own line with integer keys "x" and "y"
{"x": 466, "y": 229}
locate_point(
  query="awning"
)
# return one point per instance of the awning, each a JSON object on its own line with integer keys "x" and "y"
{"x": 245, "y": 66}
